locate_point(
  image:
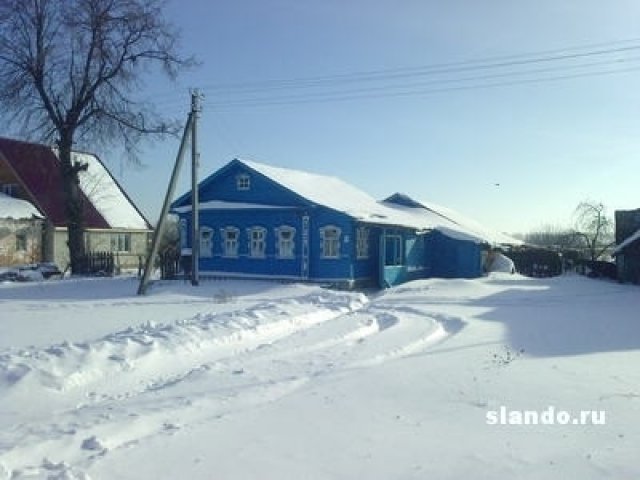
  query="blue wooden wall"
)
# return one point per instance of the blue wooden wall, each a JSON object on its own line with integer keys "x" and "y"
{"x": 346, "y": 268}
{"x": 452, "y": 258}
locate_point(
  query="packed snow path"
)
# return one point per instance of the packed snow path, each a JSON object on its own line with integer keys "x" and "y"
{"x": 112, "y": 380}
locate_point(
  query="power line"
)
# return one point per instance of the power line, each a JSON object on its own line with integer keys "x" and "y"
{"x": 422, "y": 92}
{"x": 404, "y": 81}
{"x": 409, "y": 72}
{"x": 435, "y": 82}
{"x": 567, "y": 53}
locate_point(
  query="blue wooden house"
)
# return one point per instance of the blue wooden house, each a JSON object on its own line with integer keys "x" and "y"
{"x": 261, "y": 221}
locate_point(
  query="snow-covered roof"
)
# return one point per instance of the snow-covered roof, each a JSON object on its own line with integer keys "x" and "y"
{"x": 468, "y": 225}
{"x": 107, "y": 196}
{"x": 17, "y": 209}
{"x": 627, "y": 241}
{"x": 424, "y": 219}
{"x": 324, "y": 190}
{"x": 338, "y": 195}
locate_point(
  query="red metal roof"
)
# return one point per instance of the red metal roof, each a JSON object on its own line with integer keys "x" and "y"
{"x": 37, "y": 167}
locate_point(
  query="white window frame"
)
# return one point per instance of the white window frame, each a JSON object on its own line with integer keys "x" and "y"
{"x": 362, "y": 242}
{"x": 229, "y": 245}
{"x": 243, "y": 182}
{"x": 330, "y": 237}
{"x": 206, "y": 244}
{"x": 257, "y": 240}
{"x": 285, "y": 248}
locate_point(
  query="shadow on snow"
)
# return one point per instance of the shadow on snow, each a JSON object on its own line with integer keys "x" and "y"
{"x": 560, "y": 318}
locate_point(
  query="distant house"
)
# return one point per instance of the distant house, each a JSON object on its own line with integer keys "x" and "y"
{"x": 30, "y": 172}
{"x": 261, "y": 221}
{"x": 627, "y": 251}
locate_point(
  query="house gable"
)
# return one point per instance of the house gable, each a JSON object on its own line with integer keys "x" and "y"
{"x": 37, "y": 169}
{"x": 237, "y": 182}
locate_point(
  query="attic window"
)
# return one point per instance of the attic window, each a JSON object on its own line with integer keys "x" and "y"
{"x": 243, "y": 182}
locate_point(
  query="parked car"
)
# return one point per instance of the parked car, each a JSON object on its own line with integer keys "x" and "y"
{"x": 30, "y": 273}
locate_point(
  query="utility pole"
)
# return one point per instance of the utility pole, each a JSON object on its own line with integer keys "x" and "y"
{"x": 162, "y": 221}
{"x": 195, "y": 201}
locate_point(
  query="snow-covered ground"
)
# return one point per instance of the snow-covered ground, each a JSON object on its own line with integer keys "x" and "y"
{"x": 252, "y": 380}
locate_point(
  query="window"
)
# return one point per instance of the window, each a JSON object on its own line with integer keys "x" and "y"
{"x": 206, "y": 242}
{"x": 257, "y": 242}
{"x": 362, "y": 242}
{"x": 21, "y": 242}
{"x": 230, "y": 236}
{"x": 243, "y": 182}
{"x": 120, "y": 242}
{"x": 285, "y": 246}
{"x": 330, "y": 237}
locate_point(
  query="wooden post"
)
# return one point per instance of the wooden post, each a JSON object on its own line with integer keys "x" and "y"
{"x": 195, "y": 201}
{"x": 155, "y": 244}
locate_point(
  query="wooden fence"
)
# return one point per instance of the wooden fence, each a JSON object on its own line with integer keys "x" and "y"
{"x": 169, "y": 263}
{"x": 97, "y": 263}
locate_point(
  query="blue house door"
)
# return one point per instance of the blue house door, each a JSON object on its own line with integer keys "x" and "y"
{"x": 393, "y": 271}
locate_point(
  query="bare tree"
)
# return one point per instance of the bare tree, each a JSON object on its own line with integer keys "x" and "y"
{"x": 594, "y": 227}
{"x": 552, "y": 236}
{"x": 69, "y": 71}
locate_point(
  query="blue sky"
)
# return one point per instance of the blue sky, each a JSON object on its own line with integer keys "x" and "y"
{"x": 548, "y": 144}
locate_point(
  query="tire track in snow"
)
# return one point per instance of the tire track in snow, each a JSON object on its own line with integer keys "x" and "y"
{"x": 363, "y": 338}
{"x": 157, "y": 379}
{"x": 151, "y": 350}
{"x": 125, "y": 372}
